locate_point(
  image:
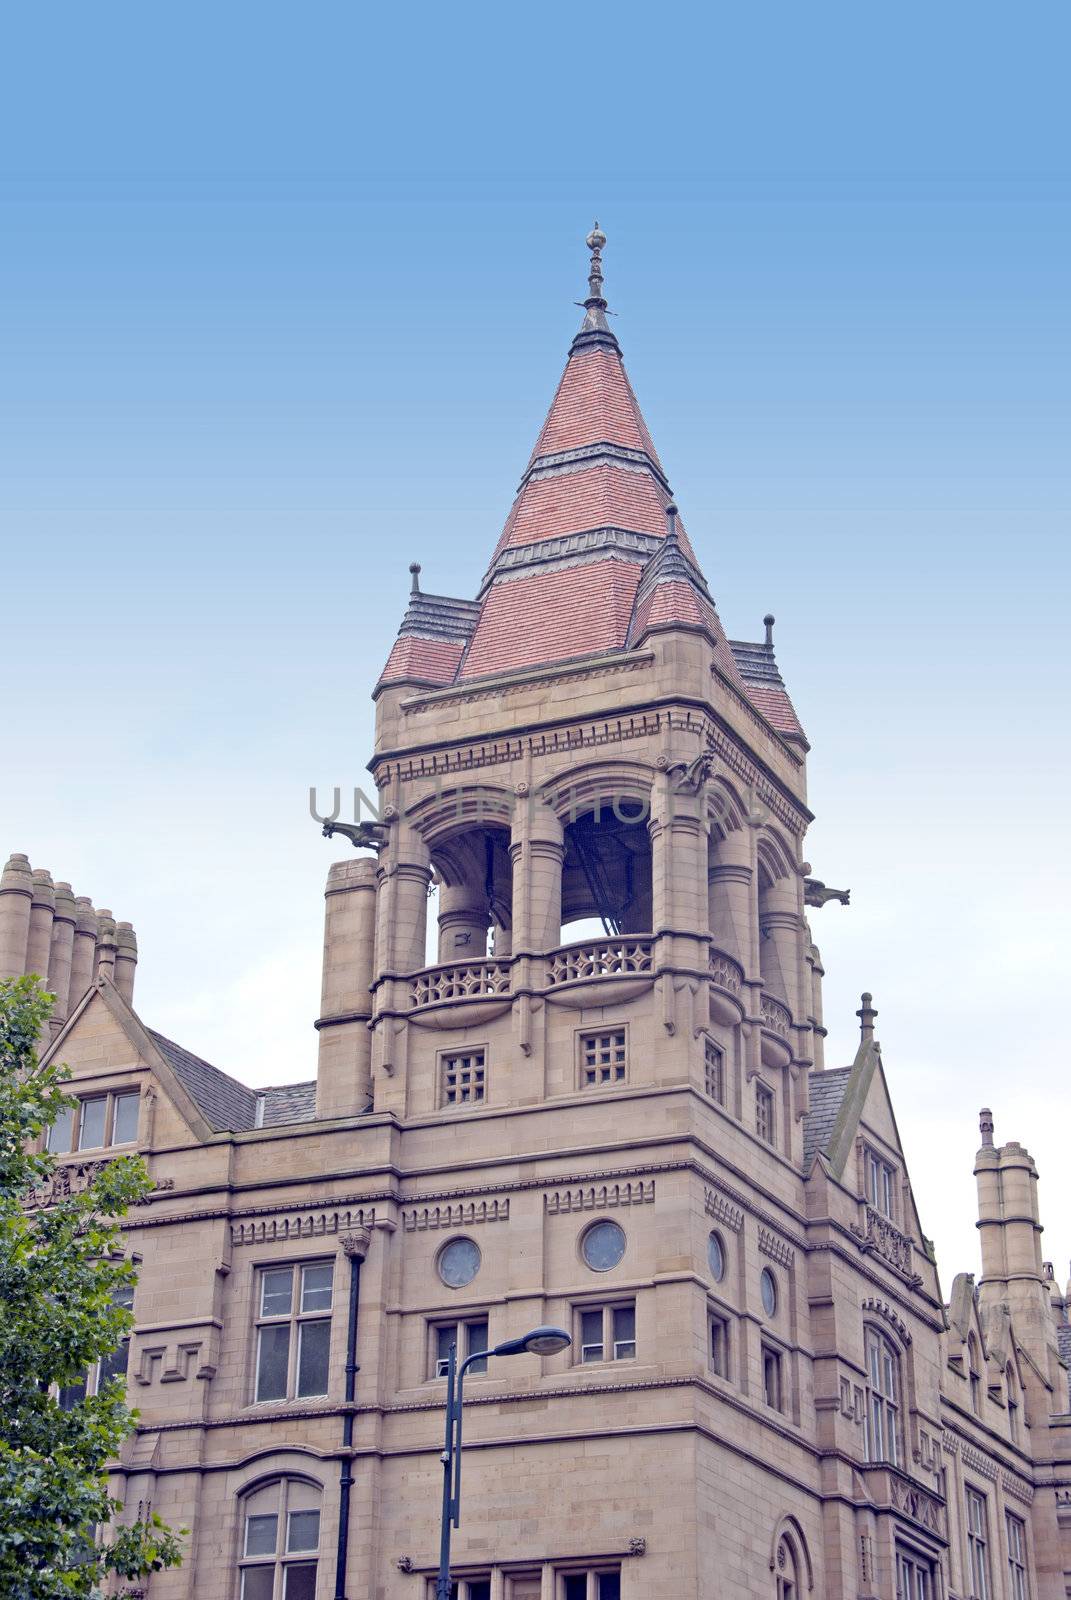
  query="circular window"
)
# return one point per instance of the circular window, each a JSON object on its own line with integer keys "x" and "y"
{"x": 716, "y": 1257}
{"x": 602, "y": 1246}
{"x": 458, "y": 1263}
{"x": 768, "y": 1285}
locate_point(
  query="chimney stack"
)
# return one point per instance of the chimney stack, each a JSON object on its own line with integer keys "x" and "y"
{"x": 126, "y": 960}
{"x": 16, "y": 894}
{"x": 85, "y": 949}
{"x": 61, "y": 956}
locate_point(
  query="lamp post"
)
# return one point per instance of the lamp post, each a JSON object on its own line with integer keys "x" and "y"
{"x": 541, "y": 1341}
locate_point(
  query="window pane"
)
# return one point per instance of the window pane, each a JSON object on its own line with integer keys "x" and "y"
{"x": 603, "y": 1246}
{"x": 273, "y": 1356}
{"x": 72, "y": 1394}
{"x": 91, "y": 1134}
{"x": 300, "y": 1581}
{"x": 444, "y": 1338}
{"x": 60, "y": 1134}
{"x": 260, "y": 1535}
{"x": 591, "y": 1336}
{"x": 314, "y": 1341}
{"x": 610, "y": 1586}
{"x": 303, "y": 1530}
{"x": 257, "y": 1582}
{"x": 576, "y": 1586}
{"x": 114, "y": 1365}
{"x": 477, "y": 1340}
{"x": 125, "y": 1119}
{"x": 316, "y": 1287}
{"x": 624, "y": 1333}
{"x": 479, "y": 1589}
{"x": 276, "y": 1292}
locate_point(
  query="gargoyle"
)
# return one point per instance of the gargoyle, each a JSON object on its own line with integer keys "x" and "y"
{"x": 362, "y": 835}
{"x": 693, "y": 774}
{"x": 815, "y": 893}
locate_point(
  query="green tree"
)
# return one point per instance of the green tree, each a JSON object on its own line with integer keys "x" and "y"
{"x": 63, "y": 1280}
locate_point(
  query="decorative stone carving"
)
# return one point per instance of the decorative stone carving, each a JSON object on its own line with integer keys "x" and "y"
{"x": 888, "y": 1242}
{"x": 775, "y": 1247}
{"x": 599, "y": 1197}
{"x": 882, "y": 1308}
{"x": 722, "y": 1210}
{"x": 301, "y": 1225}
{"x": 460, "y": 1214}
{"x": 916, "y": 1503}
{"x": 637, "y": 1546}
{"x": 725, "y": 972}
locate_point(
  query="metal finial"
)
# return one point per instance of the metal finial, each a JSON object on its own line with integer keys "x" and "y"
{"x": 596, "y": 238}
{"x": 866, "y": 1015}
{"x": 595, "y": 304}
{"x": 671, "y": 521}
{"x": 985, "y": 1124}
{"x": 414, "y": 568}
{"x": 768, "y": 622}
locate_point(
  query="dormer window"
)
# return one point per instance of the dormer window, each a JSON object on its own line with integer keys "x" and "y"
{"x": 96, "y": 1122}
{"x": 880, "y": 1181}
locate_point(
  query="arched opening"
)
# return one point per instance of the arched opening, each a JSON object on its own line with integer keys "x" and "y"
{"x": 884, "y": 1389}
{"x": 974, "y": 1375}
{"x": 473, "y": 886}
{"x": 279, "y": 1540}
{"x": 790, "y": 1561}
{"x": 606, "y": 872}
{"x": 1011, "y": 1390}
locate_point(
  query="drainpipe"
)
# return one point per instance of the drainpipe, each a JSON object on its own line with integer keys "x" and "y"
{"x": 356, "y": 1247}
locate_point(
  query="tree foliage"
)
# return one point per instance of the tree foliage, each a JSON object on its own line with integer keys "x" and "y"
{"x": 62, "y": 1277}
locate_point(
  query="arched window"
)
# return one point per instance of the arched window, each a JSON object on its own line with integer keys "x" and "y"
{"x": 789, "y": 1586}
{"x": 974, "y": 1374}
{"x": 280, "y": 1541}
{"x": 1012, "y": 1390}
{"x": 882, "y": 1398}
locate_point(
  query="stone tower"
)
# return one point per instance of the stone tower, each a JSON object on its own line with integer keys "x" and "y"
{"x": 592, "y": 1094}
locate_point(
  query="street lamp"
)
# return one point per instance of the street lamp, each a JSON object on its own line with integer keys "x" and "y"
{"x": 541, "y": 1342}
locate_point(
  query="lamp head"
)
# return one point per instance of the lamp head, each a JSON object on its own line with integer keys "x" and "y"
{"x": 540, "y": 1342}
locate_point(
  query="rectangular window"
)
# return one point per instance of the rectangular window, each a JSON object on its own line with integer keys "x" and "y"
{"x": 914, "y": 1577}
{"x": 465, "y": 1589}
{"x": 879, "y": 1184}
{"x": 463, "y": 1078}
{"x": 294, "y": 1331}
{"x": 106, "y": 1368}
{"x": 602, "y": 1058}
{"x": 772, "y": 1378}
{"x": 96, "y": 1122}
{"x": 583, "y": 1585}
{"x": 607, "y": 1333}
{"x": 978, "y": 1545}
{"x": 719, "y": 1345}
{"x": 1018, "y": 1575}
{"x": 470, "y": 1338}
{"x": 764, "y": 1113}
{"x": 714, "y": 1071}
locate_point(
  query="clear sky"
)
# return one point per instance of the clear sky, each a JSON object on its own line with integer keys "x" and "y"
{"x": 284, "y": 294}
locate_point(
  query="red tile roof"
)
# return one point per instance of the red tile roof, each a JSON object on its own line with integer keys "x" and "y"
{"x": 552, "y": 616}
{"x": 774, "y": 704}
{"x": 594, "y": 404}
{"x": 600, "y": 496}
{"x": 422, "y": 661}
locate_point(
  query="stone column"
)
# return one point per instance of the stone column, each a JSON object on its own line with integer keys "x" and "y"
{"x": 344, "y": 1071}
{"x": 817, "y": 972}
{"x": 42, "y": 914}
{"x": 678, "y": 833}
{"x": 84, "y": 954}
{"x": 106, "y": 936}
{"x": 537, "y": 850}
{"x": 463, "y": 922}
{"x": 729, "y": 896}
{"x": 126, "y": 960}
{"x": 779, "y": 947}
{"x": 402, "y": 923}
{"x": 61, "y": 956}
{"x": 16, "y": 895}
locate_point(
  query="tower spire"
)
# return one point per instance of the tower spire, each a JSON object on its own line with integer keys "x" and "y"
{"x": 595, "y": 329}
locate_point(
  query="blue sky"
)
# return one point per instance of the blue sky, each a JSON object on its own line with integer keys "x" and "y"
{"x": 283, "y": 299}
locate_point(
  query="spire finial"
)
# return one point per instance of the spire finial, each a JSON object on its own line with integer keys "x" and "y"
{"x": 414, "y": 568}
{"x": 985, "y": 1124}
{"x": 595, "y": 305}
{"x": 671, "y": 520}
{"x": 768, "y": 621}
{"x": 866, "y": 1015}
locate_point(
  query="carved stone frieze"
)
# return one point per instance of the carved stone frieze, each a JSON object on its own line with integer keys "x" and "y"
{"x": 722, "y": 1210}
{"x": 456, "y": 1214}
{"x": 599, "y": 1197}
{"x": 301, "y": 1225}
{"x": 772, "y": 1245}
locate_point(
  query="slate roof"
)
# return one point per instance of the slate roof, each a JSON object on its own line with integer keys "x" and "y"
{"x": 765, "y": 686}
{"x": 827, "y": 1094}
{"x": 224, "y": 1103}
{"x": 289, "y": 1102}
{"x": 227, "y": 1105}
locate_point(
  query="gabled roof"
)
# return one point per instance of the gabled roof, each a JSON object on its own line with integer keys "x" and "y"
{"x": 225, "y": 1104}
{"x": 765, "y": 685}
